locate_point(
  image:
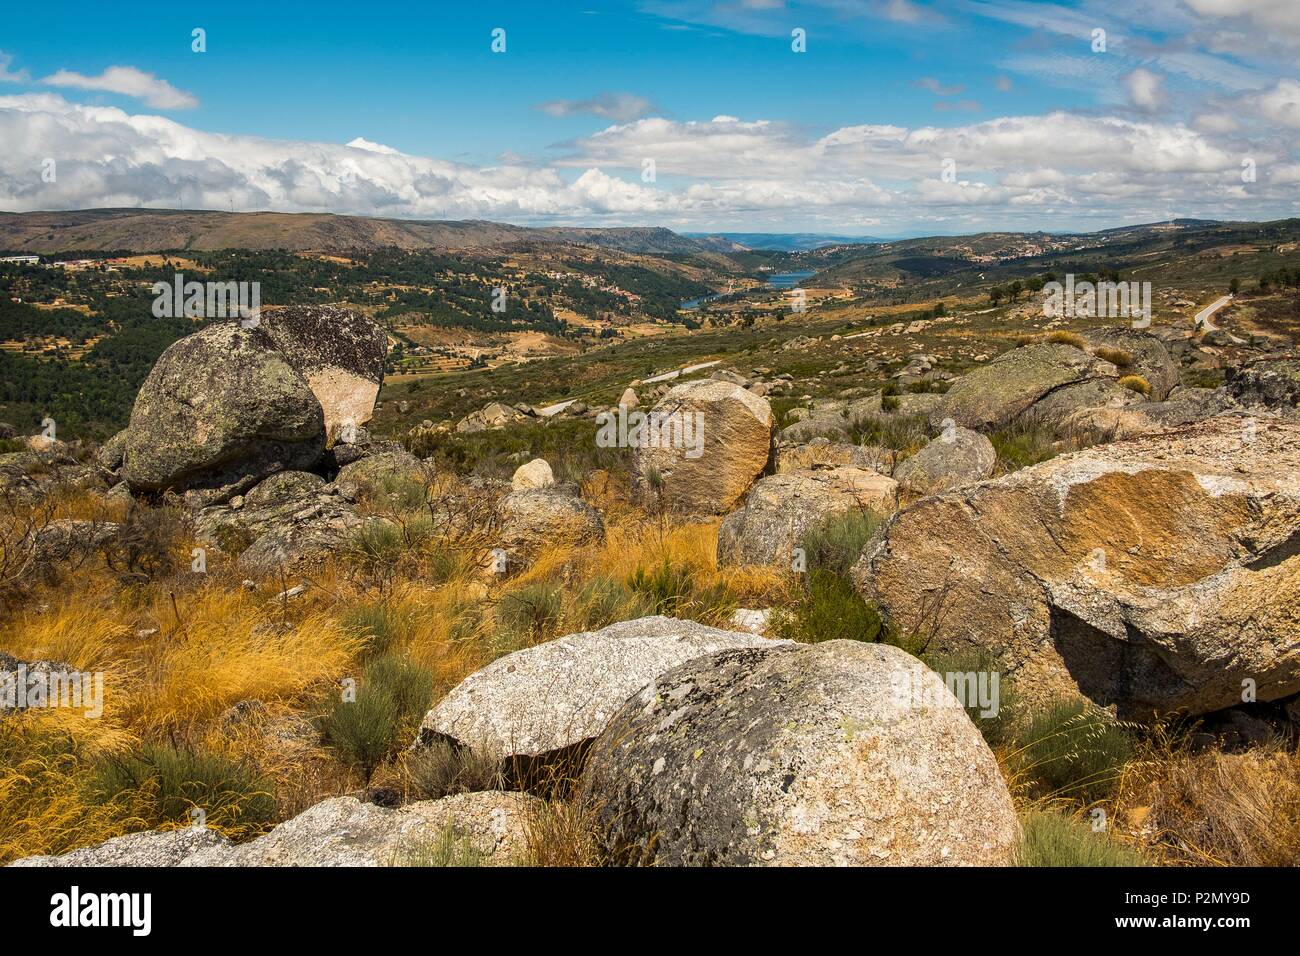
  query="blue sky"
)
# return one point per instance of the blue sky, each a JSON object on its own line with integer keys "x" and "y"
{"x": 404, "y": 110}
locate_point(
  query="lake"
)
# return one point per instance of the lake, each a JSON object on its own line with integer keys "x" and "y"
{"x": 788, "y": 280}
{"x": 778, "y": 280}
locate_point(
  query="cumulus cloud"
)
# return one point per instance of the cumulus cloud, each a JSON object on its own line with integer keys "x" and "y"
{"x": 128, "y": 81}
{"x": 725, "y": 169}
{"x": 621, "y": 107}
{"x": 1279, "y": 104}
{"x": 1145, "y": 90}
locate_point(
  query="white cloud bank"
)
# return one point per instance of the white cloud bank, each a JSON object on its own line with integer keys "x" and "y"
{"x": 1054, "y": 170}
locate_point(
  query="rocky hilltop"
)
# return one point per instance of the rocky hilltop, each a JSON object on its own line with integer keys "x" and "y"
{"x": 559, "y": 667}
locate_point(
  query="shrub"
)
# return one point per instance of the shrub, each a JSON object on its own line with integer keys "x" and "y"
{"x": 532, "y": 611}
{"x": 1073, "y": 750}
{"x": 1022, "y": 444}
{"x": 560, "y": 833}
{"x": 907, "y": 433}
{"x": 830, "y": 609}
{"x": 1062, "y": 337}
{"x": 674, "y": 590}
{"x": 1021, "y": 341}
{"x": 1053, "y": 839}
{"x": 1114, "y": 356}
{"x": 1136, "y": 383}
{"x": 603, "y": 601}
{"x": 440, "y": 769}
{"x": 391, "y": 698}
{"x": 382, "y": 625}
{"x": 836, "y": 543}
{"x": 162, "y": 783}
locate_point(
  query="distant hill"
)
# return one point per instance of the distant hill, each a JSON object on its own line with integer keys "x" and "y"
{"x": 780, "y": 241}
{"x": 152, "y": 230}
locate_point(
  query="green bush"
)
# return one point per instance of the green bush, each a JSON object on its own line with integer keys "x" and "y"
{"x": 162, "y": 783}
{"x": 441, "y": 769}
{"x": 1072, "y": 749}
{"x": 392, "y": 697}
{"x": 1023, "y": 444}
{"x": 603, "y": 601}
{"x": 1053, "y": 839}
{"x": 836, "y": 543}
{"x": 380, "y": 624}
{"x": 664, "y": 589}
{"x": 830, "y": 609}
{"x": 900, "y": 433}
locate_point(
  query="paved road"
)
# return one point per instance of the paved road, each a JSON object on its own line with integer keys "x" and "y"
{"x": 1206, "y": 316}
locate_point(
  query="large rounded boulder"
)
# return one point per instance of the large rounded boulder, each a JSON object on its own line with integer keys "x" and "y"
{"x": 538, "y": 703}
{"x": 339, "y": 352}
{"x": 703, "y": 446}
{"x": 221, "y": 410}
{"x": 839, "y": 753}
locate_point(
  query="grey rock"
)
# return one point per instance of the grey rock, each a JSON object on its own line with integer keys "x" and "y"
{"x": 339, "y": 352}
{"x": 284, "y": 486}
{"x": 346, "y": 832}
{"x": 781, "y": 508}
{"x": 958, "y": 456}
{"x": 147, "y": 848}
{"x": 799, "y": 755}
{"x": 530, "y": 520}
{"x": 547, "y": 699}
{"x": 220, "y": 410}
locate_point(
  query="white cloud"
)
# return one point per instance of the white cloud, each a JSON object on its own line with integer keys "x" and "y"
{"x": 1279, "y": 104}
{"x": 726, "y": 170}
{"x": 1270, "y": 17}
{"x": 128, "y": 81}
{"x": 1145, "y": 90}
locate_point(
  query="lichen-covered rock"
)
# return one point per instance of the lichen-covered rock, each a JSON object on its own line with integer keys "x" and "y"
{"x": 534, "y": 474}
{"x": 1271, "y": 382}
{"x": 839, "y": 753}
{"x": 998, "y": 393}
{"x": 346, "y": 832}
{"x": 561, "y": 694}
{"x": 339, "y": 352}
{"x": 781, "y": 508}
{"x": 1151, "y": 358}
{"x": 221, "y": 410}
{"x": 534, "y": 519}
{"x": 342, "y": 831}
{"x": 147, "y": 848}
{"x": 1154, "y": 574}
{"x": 957, "y": 456}
{"x": 284, "y": 486}
{"x": 716, "y": 441}
{"x": 492, "y": 415}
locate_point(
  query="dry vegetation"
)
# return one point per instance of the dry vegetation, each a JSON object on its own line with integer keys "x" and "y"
{"x": 223, "y": 696}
